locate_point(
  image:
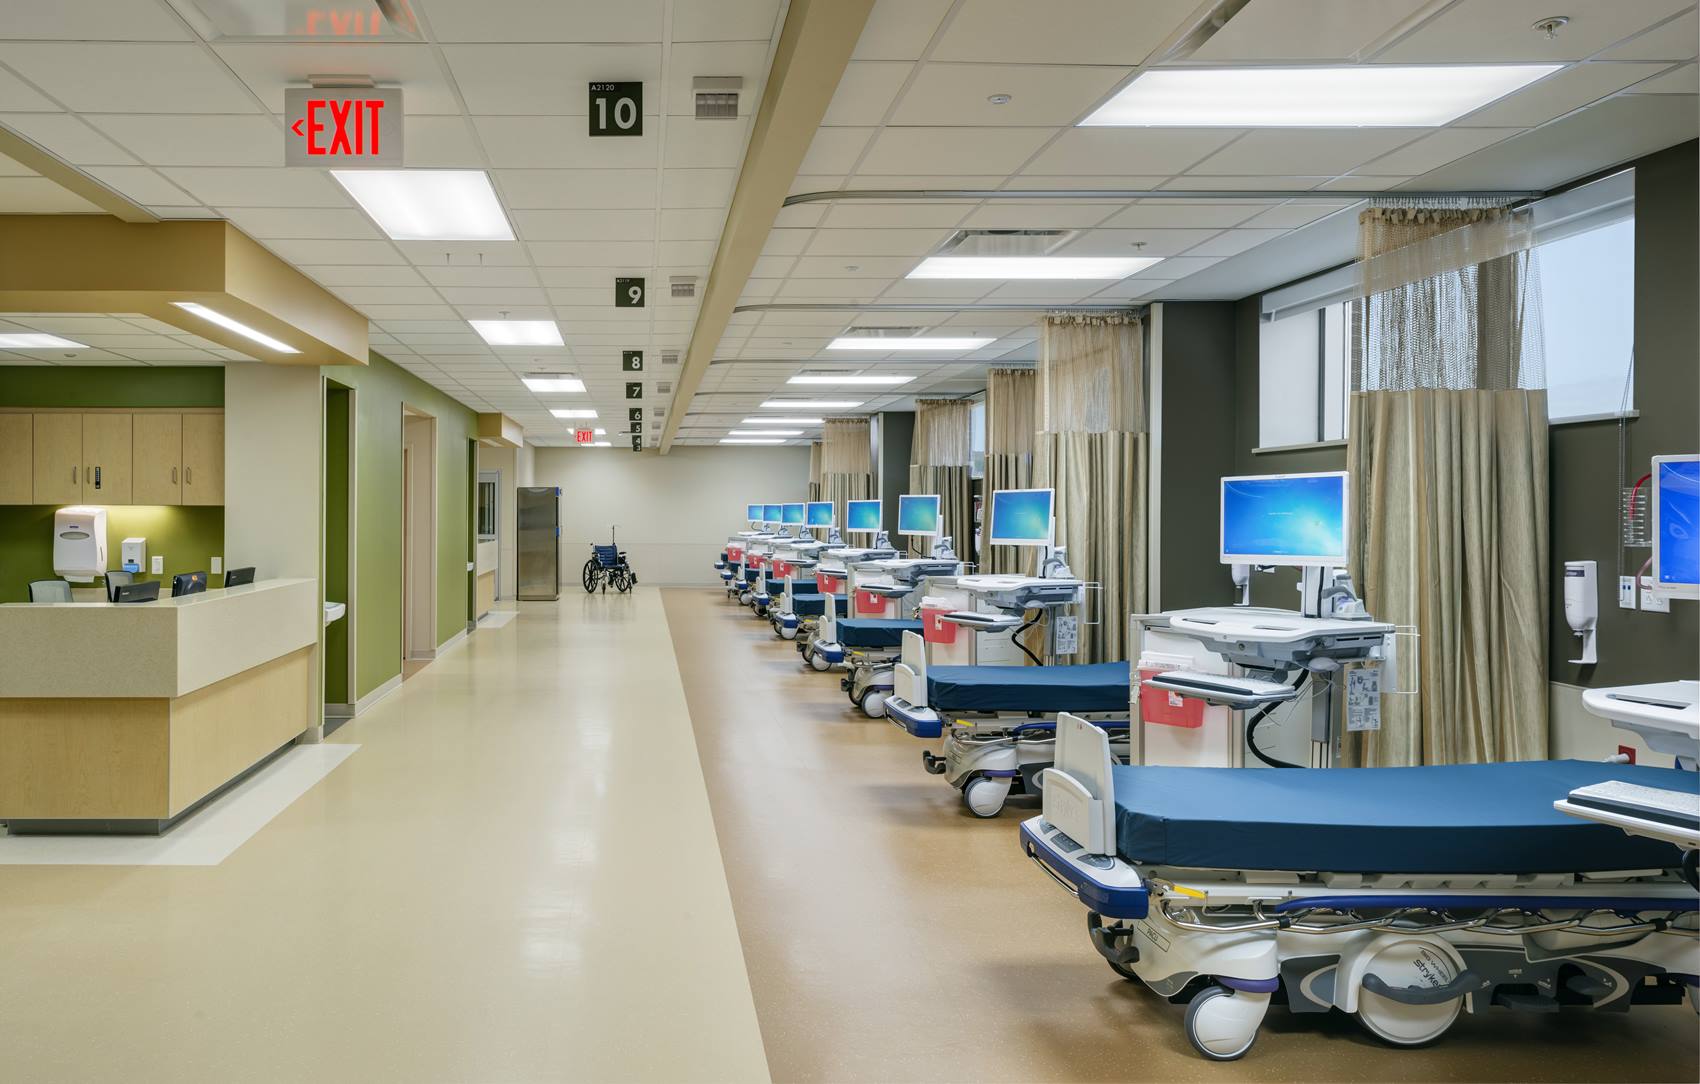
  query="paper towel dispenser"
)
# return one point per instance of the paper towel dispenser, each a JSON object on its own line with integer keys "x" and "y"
{"x": 79, "y": 543}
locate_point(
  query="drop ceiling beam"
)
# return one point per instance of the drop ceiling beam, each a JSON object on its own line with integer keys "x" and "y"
{"x": 1115, "y": 195}
{"x": 72, "y": 180}
{"x": 814, "y": 49}
{"x": 926, "y": 306}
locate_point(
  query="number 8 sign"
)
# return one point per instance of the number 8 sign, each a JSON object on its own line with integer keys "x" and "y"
{"x": 616, "y": 109}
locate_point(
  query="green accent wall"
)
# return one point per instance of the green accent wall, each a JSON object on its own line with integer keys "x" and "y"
{"x": 188, "y": 537}
{"x": 380, "y": 390}
{"x": 1198, "y": 386}
{"x": 337, "y": 404}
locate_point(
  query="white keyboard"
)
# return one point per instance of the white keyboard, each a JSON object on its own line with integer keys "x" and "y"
{"x": 1239, "y": 692}
{"x": 1677, "y": 807}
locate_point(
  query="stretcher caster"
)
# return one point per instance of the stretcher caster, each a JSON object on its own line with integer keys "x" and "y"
{"x": 873, "y": 703}
{"x": 819, "y": 661}
{"x": 935, "y": 765}
{"x": 786, "y": 632}
{"x": 1222, "y": 1024}
{"x": 984, "y": 795}
{"x": 745, "y": 598}
{"x": 1412, "y": 991}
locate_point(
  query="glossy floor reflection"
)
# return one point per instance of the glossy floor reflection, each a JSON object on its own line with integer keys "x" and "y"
{"x": 516, "y": 879}
{"x": 891, "y": 936}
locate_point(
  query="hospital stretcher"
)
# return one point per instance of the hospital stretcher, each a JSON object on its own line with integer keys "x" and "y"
{"x": 885, "y": 591}
{"x": 999, "y": 722}
{"x": 1405, "y": 896}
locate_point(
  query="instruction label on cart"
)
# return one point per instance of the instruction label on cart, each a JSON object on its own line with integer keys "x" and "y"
{"x": 1067, "y": 631}
{"x": 1363, "y": 698}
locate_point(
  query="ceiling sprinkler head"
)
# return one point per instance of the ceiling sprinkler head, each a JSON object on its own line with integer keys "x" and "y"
{"x": 998, "y": 99}
{"x": 1551, "y": 25}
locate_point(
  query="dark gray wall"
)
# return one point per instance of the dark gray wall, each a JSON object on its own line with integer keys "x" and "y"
{"x": 1198, "y": 392}
{"x": 891, "y": 464}
{"x": 1636, "y": 646}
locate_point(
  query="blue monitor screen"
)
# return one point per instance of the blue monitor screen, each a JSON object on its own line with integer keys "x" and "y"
{"x": 770, "y": 513}
{"x": 793, "y": 515}
{"x": 1678, "y": 528}
{"x": 862, "y": 516}
{"x": 1021, "y": 517}
{"x": 1297, "y": 519}
{"x": 819, "y": 514}
{"x": 918, "y": 514}
{"x": 754, "y": 515}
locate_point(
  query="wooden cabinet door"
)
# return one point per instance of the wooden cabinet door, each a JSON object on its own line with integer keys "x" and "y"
{"x": 17, "y": 459}
{"x": 58, "y": 466}
{"x": 203, "y": 459}
{"x": 157, "y": 440}
{"x": 106, "y": 459}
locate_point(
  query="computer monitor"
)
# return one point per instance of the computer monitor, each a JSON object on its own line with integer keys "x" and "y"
{"x": 136, "y": 592}
{"x": 1022, "y": 517}
{"x": 1676, "y": 525}
{"x": 753, "y": 513}
{"x": 819, "y": 514}
{"x": 238, "y": 577}
{"x": 792, "y": 515}
{"x": 188, "y": 583}
{"x": 770, "y": 513}
{"x": 1284, "y": 519}
{"x": 918, "y": 515}
{"x": 862, "y": 516}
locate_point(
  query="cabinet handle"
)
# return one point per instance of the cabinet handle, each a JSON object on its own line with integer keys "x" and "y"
{"x": 188, "y": 475}
{"x": 173, "y": 475}
{"x": 73, "y": 475}
{"x": 97, "y": 477}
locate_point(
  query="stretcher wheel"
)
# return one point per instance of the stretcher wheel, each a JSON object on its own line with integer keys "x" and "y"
{"x": 1412, "y": 963}
{"x": 984, "y": 795}
{"x": 873, "y": 703}
{"x": 744, "y": 598}
{"x": 818, "y": 661}
{"x": 786, "y": 632}
{"x": 1222, "y": 1024}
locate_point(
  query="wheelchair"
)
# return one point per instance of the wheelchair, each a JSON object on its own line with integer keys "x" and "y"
{"x": 606, "y": 568}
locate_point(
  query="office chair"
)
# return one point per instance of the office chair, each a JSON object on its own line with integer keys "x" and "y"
{"x": 50, "y": 591}
{"x": 116, "y": 578}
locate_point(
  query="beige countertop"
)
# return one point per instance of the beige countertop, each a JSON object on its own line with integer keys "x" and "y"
{"x": 165, "y": 649}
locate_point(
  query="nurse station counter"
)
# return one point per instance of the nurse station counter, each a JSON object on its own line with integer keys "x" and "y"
{"x": 124, "y": 717}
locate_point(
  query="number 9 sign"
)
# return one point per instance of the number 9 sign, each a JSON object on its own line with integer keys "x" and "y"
{"x": 628, "y": 293}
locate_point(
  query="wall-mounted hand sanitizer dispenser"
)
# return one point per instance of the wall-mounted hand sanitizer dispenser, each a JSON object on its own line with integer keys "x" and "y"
{"x": 79, "y": 543}
{"x": 133, "y": 555}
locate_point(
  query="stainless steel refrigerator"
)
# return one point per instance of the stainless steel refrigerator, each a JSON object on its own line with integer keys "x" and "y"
{"x": 538, "y": 509}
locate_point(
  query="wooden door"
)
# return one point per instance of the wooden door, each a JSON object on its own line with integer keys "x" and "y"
{"x": 157, "y": 441}
{"x": 17, "y": 459}
{"x": 107, "y": 459}
{"x": 57, "y": 440}
{"x": 203, "y": 459}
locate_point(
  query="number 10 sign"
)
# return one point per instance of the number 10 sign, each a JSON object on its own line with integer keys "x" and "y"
{"x": 616, "y": 109}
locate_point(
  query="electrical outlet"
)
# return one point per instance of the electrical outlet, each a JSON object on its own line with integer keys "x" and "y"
{"x": 158, "y": 564}
{"x": 1626, "y": 592}
{"x": 1654, "y": 602}
{"x": 217, "y": 565}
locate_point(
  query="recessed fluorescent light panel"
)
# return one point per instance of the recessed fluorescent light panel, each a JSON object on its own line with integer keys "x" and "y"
{"x": 550, "y": 383}
{"x": 429, "y": 204}
{"x": 597, "y": 443}
{"x": 1031, "y": 267}
{"x": 780, "y": 421}
{"x": 811, "y": 404}
{"x": 575, "y": 413}
{"x": 849, "y": 378}
{"x": 37, "y": 341}
{"x": 518, "y": 332}
{"x": 1360, "y": 96}
{"x": 910, "y": 343}
{"x": 237, "y": 326}
{"x": 747, "y": 440}
{"x": 764, "y": 432}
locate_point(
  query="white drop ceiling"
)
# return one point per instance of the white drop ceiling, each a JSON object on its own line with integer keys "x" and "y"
{"x": 133, "y": 93}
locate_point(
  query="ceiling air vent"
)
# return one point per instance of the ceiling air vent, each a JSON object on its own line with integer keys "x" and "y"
{"x": 658, "y": 412}
{"x": 683, "y": 286}
{"x": 1005, "y": 242}
{"x": 669, "y": 357}
{"x": 665, "y": 387}
{"x": 717, "y": 96}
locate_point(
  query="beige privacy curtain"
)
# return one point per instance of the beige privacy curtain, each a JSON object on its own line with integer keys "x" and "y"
{"x": 1448, "y": 454}
{"x": 846, "y": 464}
{"x": 939, "y": 463}
{"x": 1092, "y": 450}
{"x": 1012, "y": 420}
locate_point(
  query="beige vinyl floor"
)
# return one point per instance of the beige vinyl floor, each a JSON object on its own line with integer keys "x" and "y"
{"x": 892, "y": 936}
{"x": 516, "y": 878}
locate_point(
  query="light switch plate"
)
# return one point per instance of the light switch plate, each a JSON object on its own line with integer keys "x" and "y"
{"x": 1655, "y": 602}
{"x": 158, "y": 564}
{"x": 1626, "y": 592}
{"x": 217, "y": 565}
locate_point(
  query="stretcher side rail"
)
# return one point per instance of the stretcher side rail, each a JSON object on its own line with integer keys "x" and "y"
{"x": 1510, "y": 920}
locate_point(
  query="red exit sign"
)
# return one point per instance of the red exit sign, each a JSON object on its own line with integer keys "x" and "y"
{"x": 342, "y": 127}
{"x": 584, "y": 436}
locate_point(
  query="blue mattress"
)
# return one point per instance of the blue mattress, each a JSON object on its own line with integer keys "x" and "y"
{"x": 813, "y": 604}
{"x": 1099, "y": 686}
{"x": 1462, "y": 818}
{"x": 875, "y": 631}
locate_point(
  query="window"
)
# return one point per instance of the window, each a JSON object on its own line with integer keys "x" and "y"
{"x": 487, "y": 489}
{"x": 1588, "y": 313}
{"x": 1301, "y": 390}
{"x": 977, "y": 440}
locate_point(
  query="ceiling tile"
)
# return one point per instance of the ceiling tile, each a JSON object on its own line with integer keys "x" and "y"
{"x": 1292, "y": 151}
{"x": 1036, "y": 215}
{"x": 17, "y": 95}
{"x": 1141, "y": 242}
{"x": 496, "y": 297}
{"x": 26, "y": 20}
{"x": 358, "y": 275}
{"x": 1680, "y": 80}
{"x": 853, "y": 215}
{"x": 125, "y": 77}
{"x": 900, "y": 29}
{"x": 1435, "y": 150}
{"x": 549, "y": 225}
{"x": 1060, "y": 31}
{"x": 1675, "y": 40}
{"x": 865, "y": 92}
{"x": 334, "y": 252}
{"x": 1040, "y": 95}
{"x": 745, "y": 59}
{"x": 561, "y": 143}
{"x": 362, "y": 296}
{"x": 251, "y": 140}
{"x": 441, "y": 143}
{"x": 1559, "y": 93}
{"x": 270, "y": 223}
{"x": 697, "y": 187}
{"x": 595, "y": 189}
{"x": 551, "y": 80}
{"x": 142, "y": 185}
{"x": 1175, "y": 214}
{"x": 1098, "y": 151}
{"x": 1294, "y": 215}
{"x": 1485, "y": 30}
{"x": 1232, "y": 243}
{"x": 703, "y": 224}
{"x": 237, "y": 187}
{"x": 1274, "y": 30}
{"x": 551, "y": 21}
{"x": 726, "y": 20}
{"x": 873, "y": 242}
{"x": 835, "y": 150}
{"x": 632, "y": 254}
{"x": 66, "y": 136}
{"x": 971, "y": 150}
{"x": 269, "y": 67}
